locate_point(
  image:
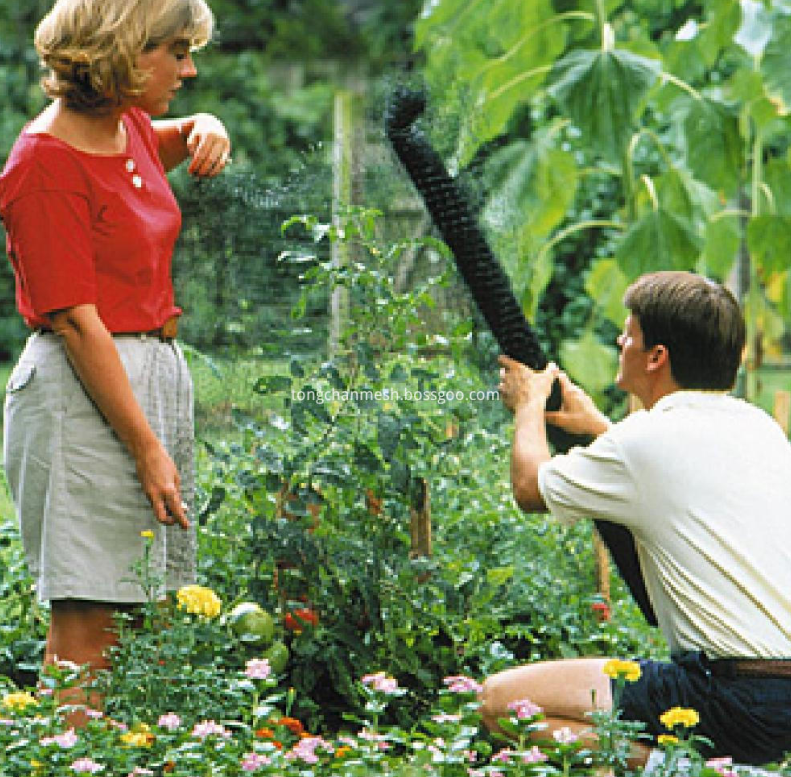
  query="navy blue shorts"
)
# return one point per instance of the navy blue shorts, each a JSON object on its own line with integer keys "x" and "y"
{"x": 747, "y": 718}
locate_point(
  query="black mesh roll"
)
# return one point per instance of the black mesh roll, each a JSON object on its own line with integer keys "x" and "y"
{"x": 491, "y": 290}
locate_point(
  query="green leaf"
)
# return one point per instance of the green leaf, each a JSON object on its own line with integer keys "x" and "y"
{"x": 769, "y": 242}
{"x": 722, "y": 23}
{"x": 709, "y": 125}
{"x": 537, "y": 189}
{"x": 606, "y": 285}
{"x": 658, "y": 241}
{"x": 776, "y": 63}
{"x": 721, "y": 247}
{"x": 602, "y": 91}
{"x": 438, "y": 17}
{"x": 518, "y": 59}
{"x": 500, "y": 575}
{"x": 777, "y": 176}
{"x": 589, "y": 362}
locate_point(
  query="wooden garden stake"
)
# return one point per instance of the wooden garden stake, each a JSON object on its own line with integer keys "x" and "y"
{"x": 420, "y": 522}
{"x": 782, "y": 409}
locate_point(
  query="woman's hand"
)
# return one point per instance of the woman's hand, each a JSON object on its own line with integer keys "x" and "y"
{"x": 92, "y": 353}
{"x": 161, "y": 483}
{"x": 207, "y": 143}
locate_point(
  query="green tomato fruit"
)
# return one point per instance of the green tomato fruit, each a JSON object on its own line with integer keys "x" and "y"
{"x": 278, "y": 656}
{"x": 251, "y": 623}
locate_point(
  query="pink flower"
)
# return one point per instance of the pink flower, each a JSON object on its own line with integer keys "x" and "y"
{"x": 723, "y": 766}
{"x": 503, "y": 756}
{"x": 258, "y": 669}
{"x": 565, "y": 736}
{"x": 209, "y": 728}
{"x": 445, "y": 717}
{"x": 86, "y": 765}
{"x": 380, "y": 682}
{"x": 524, "y": 709}
{"x": 306, "y": 748}
{"x": 170, "y": 721}
{"x": 66, "y": 740}
{"x": 534, "y": 756}
{"x": 253, "y": 761}
{"x": 462, "y": 684}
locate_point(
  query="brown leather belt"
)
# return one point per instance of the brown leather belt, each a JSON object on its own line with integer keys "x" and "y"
{"x": 166, "y": 333}
{"x": 751, "y": 667}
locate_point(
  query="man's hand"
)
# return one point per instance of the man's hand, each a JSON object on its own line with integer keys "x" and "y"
{"x": 519, "y": 385}
{"x": 578, "y": 413}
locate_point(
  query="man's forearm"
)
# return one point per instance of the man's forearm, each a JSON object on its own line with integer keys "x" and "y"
{"x": 529, "y": 451}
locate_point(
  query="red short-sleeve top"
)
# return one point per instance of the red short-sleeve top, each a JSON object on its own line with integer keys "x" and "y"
{"x": 88, "y": 228}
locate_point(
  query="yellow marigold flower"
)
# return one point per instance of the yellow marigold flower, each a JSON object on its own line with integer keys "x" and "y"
{"x": 679, "y": 716}
{"x": 628, "y": 670}
{"x": 198, "y": 600}
{"x": 147, "y": 534}
{"x": 343, "y": 751}
{"x": 18, "y": 701}
{"x": 667, "y": 739}
{"x": 138, "y": 739}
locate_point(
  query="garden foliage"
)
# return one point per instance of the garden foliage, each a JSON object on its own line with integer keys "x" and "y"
{"x": 647, "y": 135}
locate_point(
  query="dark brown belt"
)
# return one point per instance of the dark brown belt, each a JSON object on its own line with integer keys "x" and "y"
{"x": 751, "y": 667}
{"x": 166, "y": 333}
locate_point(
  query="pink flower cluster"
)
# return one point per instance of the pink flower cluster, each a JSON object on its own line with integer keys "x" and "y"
{"x": 258, "y": 669}
{"x": 86, "y": 766}
{"x": 462, "y": 684}
{"x": 525, "y": 709}
{"x": 305, "y": 749}
{"x": 254, "y": 761}
{"x": 66, "y": 740}
{"x": 169, "y": 721}
{"x": 209, "y": 728}
{"x": 379, "y": 681}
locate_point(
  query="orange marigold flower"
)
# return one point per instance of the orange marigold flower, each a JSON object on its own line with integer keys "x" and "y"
{"x": 343, "y": 751}
{"x": 265, "y": 733}
{"x": 292, "y": 724}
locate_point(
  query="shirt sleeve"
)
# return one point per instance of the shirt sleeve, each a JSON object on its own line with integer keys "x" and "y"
{"x": 591, "y": 482}
{"x": 49, "y": 235}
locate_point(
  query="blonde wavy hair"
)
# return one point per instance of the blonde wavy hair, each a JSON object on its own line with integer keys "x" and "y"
{"x": 89, "y": 47}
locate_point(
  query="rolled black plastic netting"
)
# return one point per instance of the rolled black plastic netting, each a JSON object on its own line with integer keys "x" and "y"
{"x": 491, "y": 290}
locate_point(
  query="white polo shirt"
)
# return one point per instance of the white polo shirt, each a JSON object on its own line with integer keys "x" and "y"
{"x": 703, "y": 481}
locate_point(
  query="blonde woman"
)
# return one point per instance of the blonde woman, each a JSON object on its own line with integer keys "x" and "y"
{"x": 98, "y": 415}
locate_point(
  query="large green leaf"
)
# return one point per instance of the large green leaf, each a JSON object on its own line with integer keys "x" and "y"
{"x": 589, "y": 362}
{"x": 537, "y": 188}
{"x": 606, "y": 285}
{"x": 658, "y": 241}
{"x": 777, "y": 176}
{"x": 723, "y": 18}
{"x": 440, "y": 17}
{"x": 723, "y": 240}
{"x": 524, "y": 46}
{"x": 769, "y": 242}
{"x": 601, "y": 91}
{"x": 776, "y": 63}
{"x": 713, "y": 146}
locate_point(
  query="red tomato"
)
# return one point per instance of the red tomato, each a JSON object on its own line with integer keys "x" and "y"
{"x": 297, "y": 619}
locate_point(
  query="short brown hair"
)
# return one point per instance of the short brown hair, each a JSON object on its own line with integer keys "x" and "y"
{"x": 697, "y": 320}
{"x": 89, "y": 47}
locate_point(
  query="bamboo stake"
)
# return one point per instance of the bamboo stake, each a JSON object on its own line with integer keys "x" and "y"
{"x": 782, "y": 409}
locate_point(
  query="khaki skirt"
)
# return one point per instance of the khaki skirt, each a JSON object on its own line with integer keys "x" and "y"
{"x": 80, "y": 505}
